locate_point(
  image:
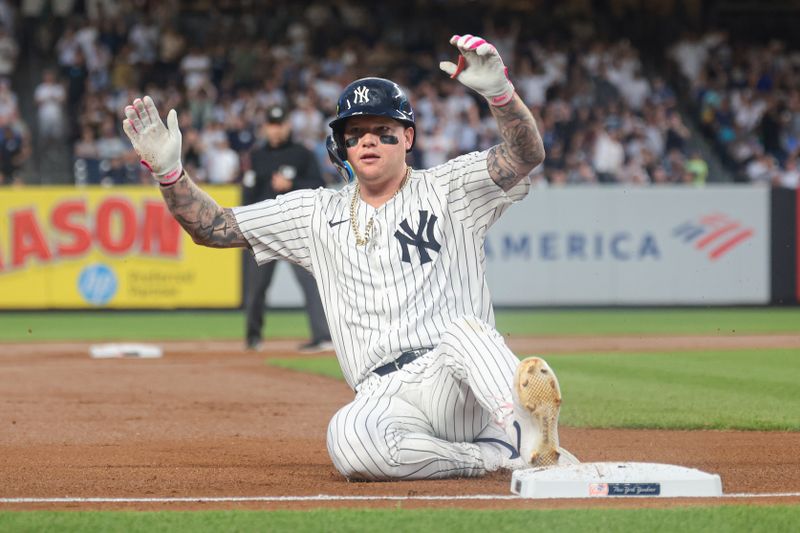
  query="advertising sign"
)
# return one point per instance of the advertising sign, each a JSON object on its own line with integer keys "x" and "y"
{"x": 72, "y": 248}
{"x": 632, "y": 246}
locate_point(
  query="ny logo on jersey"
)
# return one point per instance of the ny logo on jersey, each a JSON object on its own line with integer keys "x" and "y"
{"x": 361, "y": 95}
{"x": 410, "y": 238}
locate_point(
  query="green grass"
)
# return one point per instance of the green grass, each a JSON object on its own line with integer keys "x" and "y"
{"x": 693, "y": 321}
{"x": 156, "y": 325}
{"x": 742, "y": 389}
{"x": 179, "y": 325}
{"x": 323, "y": 365}
{"x": 685, "y": 519}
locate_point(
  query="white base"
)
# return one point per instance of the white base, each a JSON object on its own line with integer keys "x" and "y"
{"x": 109, "y": 351}
{"x": 614, "y": 480}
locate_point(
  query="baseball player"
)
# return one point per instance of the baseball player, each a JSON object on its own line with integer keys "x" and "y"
{"x": 398, "y": 257}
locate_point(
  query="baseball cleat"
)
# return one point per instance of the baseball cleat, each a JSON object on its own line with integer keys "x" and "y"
{"x": 566, "y": 458}
{"x": 537, "y": 401}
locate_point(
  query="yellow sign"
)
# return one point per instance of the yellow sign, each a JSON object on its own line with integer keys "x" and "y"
{"x": 71, "y": 248}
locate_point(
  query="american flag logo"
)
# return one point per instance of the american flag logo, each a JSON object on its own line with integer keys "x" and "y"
{"x": 598, "y": 489}
{"x": 714, "y": 234}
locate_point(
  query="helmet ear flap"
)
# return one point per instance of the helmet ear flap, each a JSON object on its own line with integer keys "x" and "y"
{"x": 338, "y": 156}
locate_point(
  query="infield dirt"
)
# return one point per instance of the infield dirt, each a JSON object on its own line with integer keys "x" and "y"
{"x": 210, "y": 420}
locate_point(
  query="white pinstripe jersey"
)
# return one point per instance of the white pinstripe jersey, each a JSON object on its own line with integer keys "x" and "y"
{"x": 423, "y": 267}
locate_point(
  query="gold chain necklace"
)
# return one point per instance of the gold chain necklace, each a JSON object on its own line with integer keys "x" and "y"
{"x": 362, "y": 241}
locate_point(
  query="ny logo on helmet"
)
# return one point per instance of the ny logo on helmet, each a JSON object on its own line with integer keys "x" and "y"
{"x": 361, "y": 95}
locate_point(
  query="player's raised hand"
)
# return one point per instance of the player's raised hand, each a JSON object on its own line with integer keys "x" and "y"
{"x": 480, "y": 68}
{"x": 159, "y": 147}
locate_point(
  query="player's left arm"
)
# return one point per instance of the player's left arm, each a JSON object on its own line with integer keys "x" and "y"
{"x": 481, "y": 69}
{"x": 522, "y": 148}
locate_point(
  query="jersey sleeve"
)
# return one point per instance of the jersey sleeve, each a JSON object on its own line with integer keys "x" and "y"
{"x": 473, "y": 196}
{"x": 279, "y": 228}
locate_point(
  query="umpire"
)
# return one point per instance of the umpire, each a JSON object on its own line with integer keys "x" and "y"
{"x": 280, "y": 166}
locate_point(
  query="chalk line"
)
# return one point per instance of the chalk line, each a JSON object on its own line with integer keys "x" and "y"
{"x": 326, "y": 498}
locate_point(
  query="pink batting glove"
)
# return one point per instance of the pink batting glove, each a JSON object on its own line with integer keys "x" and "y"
{"x": 481, "y": 69}
{"x": 159, "y": 147}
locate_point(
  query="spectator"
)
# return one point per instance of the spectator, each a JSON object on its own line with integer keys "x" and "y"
{"x": 143, "y": 38}
{"x": 98, "y": 9}
{"x": 86, "y": 36}
{"x": 123, "y": 71}
{"x": 87, "y": 158}
{"x": 241, "y": 136}
{"x": 308, "y": 122}
{"x": 789, "y": 176}
{"x": 13, "y": 153}
{"x": 111, "y": 149}
{"x": 748, "y": 110}
{"x": 196, "y": 69}
{"x": 659, "y": 176}
{"x": 221, "y": 162}
{"x": 7, "y": 15}
{"x": 202, "y": 101}
{"x": 193, "y": 154}
{"x": 67, "y": 48}
{"x": 581, "y": 173}
{"x": 437, "y": 147}
{"x": 270, "y": 93}
{"x": 98, "y": 64}
{"x": 9, "y": 50}
{"x": 675, "y": 165}
{"x": 113, "y": 32}
{"x": 677, "y": 134}
{"x": 608, "y": 155}
{"x": 762, "y": 169}
{"x": 771, "y": 126}
{"x": 633, "y": 173}
{"x": 8, "y": 102}
{"x": 50, "y": 97}
{"x": 697, "y": 168}
{"x": 534, "y": 80}
{"x": 171, "y": 48}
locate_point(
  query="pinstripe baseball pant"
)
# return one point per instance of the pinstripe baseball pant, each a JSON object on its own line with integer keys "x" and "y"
{"x": 421, "y": 421}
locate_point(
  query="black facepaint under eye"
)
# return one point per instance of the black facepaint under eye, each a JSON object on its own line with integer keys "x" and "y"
{"x": 385, "y": 139}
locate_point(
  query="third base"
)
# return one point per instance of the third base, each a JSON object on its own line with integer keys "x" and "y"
{"x": 614, "y": 480}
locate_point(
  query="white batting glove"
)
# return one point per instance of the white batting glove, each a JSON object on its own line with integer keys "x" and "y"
{"x": 480, "y": 68}
{"x": 159, "y": 148}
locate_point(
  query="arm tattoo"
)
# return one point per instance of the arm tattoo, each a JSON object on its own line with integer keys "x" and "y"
{"x": 521, "y": 149}
{"x": 201, "y": 217}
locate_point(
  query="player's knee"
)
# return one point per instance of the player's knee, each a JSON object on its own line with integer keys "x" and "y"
{"x": 355, "y": 452}
{"x": 346, "y": 448}
{"x": 336, "y": 442}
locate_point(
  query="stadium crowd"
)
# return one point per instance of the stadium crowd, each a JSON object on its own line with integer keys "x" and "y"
{"x": 746, "y": 96}
{"x": 604, "y": 116}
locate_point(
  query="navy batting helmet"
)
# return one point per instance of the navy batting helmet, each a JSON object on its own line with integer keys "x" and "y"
{"x": 366, "y": 97}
